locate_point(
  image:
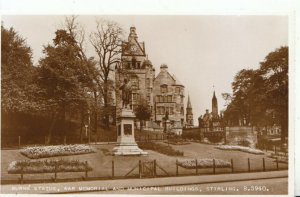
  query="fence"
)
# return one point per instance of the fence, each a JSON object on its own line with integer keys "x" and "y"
{"x": 150, "y": 169}
{"x": 55, "y": 173}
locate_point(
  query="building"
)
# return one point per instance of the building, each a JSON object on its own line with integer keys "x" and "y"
{"x": 169, "y": 95}
{"x": 211, "y": 121}
{"x": 136, "y": 67}
{"x": 163, "y": 93}
{"x": 189, "y": 114}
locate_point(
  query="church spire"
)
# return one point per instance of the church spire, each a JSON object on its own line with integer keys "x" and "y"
{"x": 189, "y": 105}
{"x": 189, "y": 113}
{"x": 214, "y": 96}
{"x": 214, "y": 105}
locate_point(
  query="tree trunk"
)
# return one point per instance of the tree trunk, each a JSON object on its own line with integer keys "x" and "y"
{"x": 284, "y": 125}
{"x": 50, "y": 130}
{"x": 81, "y": 122}
{"x": 96, "y": 113}
{"x": 64, "y": 120}
{"x": 105, "y": 98}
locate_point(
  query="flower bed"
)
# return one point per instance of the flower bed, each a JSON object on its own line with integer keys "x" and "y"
{"x": 203, "y": 163}
{"x": 279, "y": 157}
{"x": 47, "y": 166}
{"x": 59, "y": 150}
{"x": 241, "y": 148}
{"x": 164, "y": 149}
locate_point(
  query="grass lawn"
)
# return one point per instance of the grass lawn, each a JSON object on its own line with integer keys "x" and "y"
{"x": 101, "y": 161}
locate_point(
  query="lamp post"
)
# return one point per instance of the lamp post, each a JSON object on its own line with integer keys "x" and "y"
{"x": 89, "y": 125}
{"x": 86, "y": 130}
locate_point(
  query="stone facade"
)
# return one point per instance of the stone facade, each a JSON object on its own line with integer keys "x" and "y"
{"x": 168, "y": 95}
{"x": 163, "y": 93}
{"x": 138, "y": 70}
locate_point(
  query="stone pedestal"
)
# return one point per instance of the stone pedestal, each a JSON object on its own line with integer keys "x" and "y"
{"x": 125, "y": 131}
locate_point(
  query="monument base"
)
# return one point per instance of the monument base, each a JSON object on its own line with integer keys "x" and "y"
{"x": 125, "y": 129}
{"x": 128, "y": 149}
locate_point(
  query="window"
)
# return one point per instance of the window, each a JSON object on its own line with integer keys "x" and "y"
{"x": 128, "y": 65}
{"x": 181, "y": 111}
{"x": 148, "y": 98}
{"x": 163, "y": 110}
{"x": 119, "y": 130}
{"x": 135, "y": 97}
{"x": 165, "y": 99}
{"x": 181, "y": 99}
{"x": 164, "y": 89}
{"x": 134, "y": 63}
{"x": 168, "y": 110}
{"x": 170, "y": 98}
{"x": 161, "y": 99}
{"x": 177, "y": 90}
{"x": 157, "y": 99}
{"x": 171, "y": 110}
{"x": 160, "y": 110}
{"x": 148, "y": 82}
{"x": 135, "y": 82}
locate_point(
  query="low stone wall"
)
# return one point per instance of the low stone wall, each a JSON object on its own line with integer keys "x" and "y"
{"x": 237, "y": 135}
{"x": 191, "y": 133}
{"x": 241, "y": 135}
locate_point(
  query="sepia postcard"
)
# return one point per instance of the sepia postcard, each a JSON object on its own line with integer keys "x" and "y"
{"x": 146, "y": 104}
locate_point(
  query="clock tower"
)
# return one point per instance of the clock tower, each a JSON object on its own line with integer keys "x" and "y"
{"x": 136, "y": 68}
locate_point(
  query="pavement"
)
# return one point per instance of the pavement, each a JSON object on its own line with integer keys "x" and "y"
{"x": 125, "y": 184}
{"x": 273, "y": 186}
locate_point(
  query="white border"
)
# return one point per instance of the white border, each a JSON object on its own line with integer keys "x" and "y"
{"x": 188, "y": 7}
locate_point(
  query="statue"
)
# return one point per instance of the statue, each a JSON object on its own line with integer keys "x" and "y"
{"x": 126, "y": 93}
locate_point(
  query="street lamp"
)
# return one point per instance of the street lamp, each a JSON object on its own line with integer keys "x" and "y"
{"x": 86, "y": 131}
{"x": 89, "y": 125}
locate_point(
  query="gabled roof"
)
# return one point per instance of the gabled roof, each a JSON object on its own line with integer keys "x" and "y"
{"x": 140, "y": 48}
{"x": 177, "y": 82}
{"x": 175, "y": 79}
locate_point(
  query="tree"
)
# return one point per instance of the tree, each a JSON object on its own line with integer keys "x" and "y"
{"x": 90, "y": 73}
{"x": 106, "y": 40}
{"x": 142, "y": 112}
{"x": 63, "y": 78}
{"x": 261, "y": 96}
{"x": 274, "y": 69}
{"x": 16, "y": 73}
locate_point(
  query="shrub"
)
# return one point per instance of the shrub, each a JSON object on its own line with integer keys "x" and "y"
{"x": 161, "y": 148}
{"x": 245, "y": 143}
{"x": 47, "y": 166}
{"x": 177, "y": 141}
{"x": 215, "y": 138}
{"x": 59, "y": 150}
{"x": 203, "y": 163}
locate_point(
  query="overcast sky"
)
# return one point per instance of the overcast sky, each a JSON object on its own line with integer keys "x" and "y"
{"x": 201, "y": 51}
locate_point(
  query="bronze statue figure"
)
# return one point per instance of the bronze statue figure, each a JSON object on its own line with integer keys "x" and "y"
{"x": 126, "y": 93}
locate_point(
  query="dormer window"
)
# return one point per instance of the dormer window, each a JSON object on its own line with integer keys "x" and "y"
{"x": 163, "y": 88}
